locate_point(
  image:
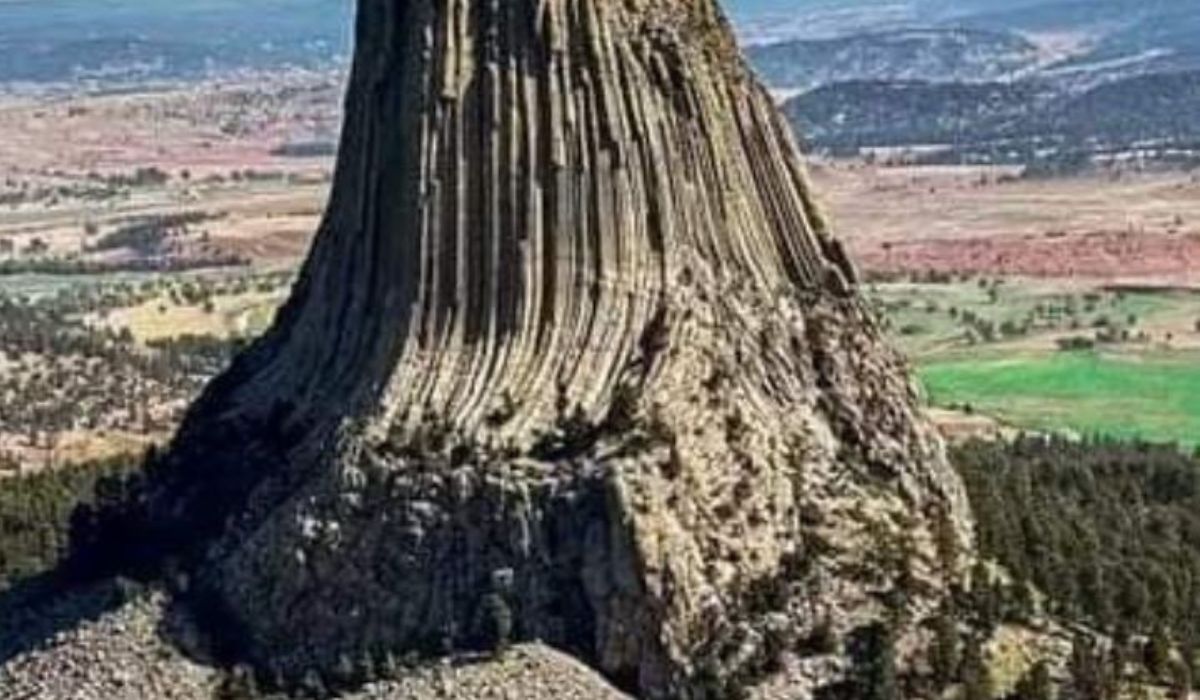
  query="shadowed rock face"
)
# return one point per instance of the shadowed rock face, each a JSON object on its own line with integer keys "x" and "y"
{"x": 572, "y": 316}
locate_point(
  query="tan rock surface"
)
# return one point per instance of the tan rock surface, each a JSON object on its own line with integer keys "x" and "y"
{"x": 530, "y": 672}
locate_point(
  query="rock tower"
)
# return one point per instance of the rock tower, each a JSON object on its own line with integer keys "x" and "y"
{"x": 573, "y": 328}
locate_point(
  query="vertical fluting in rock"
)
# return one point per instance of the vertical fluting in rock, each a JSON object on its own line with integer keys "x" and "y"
{"x": 521, "y": 186}
{"x": 572, "y": 320}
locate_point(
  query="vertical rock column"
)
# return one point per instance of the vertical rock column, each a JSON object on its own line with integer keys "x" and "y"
{"x": 571, "y": 315}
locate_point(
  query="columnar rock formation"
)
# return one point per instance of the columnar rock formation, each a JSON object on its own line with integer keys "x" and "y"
{"x": 572, "y": 336}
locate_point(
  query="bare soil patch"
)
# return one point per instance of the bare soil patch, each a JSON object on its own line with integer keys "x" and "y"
{"x": 1128, "y": 226}
{"x": 1103, "y": 254}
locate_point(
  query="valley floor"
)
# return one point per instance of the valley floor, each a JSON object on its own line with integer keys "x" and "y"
{"x": 1066, "y": 305}
{"x": 1049, "y": 304}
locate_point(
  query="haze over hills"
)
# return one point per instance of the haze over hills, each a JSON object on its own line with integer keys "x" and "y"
{"x": 795, "y": 44}
{"x": 137, "y": 40}
{"x": 1060, "y": 85}
{"x": 1058, "y": 39}
{"x": 960, "y": 55}
{"x": 1021, "y": 123}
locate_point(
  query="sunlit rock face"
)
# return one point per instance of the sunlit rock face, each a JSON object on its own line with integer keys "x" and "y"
{"x": 572, "y": 335}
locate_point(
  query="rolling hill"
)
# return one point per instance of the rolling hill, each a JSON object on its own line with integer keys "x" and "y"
{"x": 1019, "y": 122}
{"x": 134, "y": 40}
{"x": 959, "y": 55}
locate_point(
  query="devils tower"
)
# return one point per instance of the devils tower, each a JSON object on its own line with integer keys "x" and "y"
{"x": 572, "y": 334}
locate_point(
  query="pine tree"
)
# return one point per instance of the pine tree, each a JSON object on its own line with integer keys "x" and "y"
{"x": 1023, "y": 601}
{"x": 1181, "y": 680}
{"x": 497, "y": 614}
{"x": 1112, "y": 674}
{"x": 1138, "y": 690}
{"x": 822, "y": 640}
{"x": 313, "y": 686}
{"x": 239, "y": 684}
{"x": 1035, "y": 685}
{"x": 1117, "y": 661}
{"x": 977, "y": 678}
{"x": 1157, "y": 653}
{"x": 1187, "y": 648}
{"x": 367, "y": 670}
{"x": 1085, "y": 682}
{"x": 875, "y": 664}
{"x": 983, "y": 597}
{"x": 945, "y": 647}
{"x": 343, "y": 672}
{"x": 947, "y": 545}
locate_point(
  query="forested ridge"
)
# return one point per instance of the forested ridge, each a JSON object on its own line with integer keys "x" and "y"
{"x": 1031, "y": 122}
{"x": 1108, "y": 530}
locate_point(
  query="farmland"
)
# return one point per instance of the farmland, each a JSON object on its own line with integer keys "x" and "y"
{"x": 1066, "y": 304}
{"x": 144, "y": 237}
{"x": 1149, "y": 396}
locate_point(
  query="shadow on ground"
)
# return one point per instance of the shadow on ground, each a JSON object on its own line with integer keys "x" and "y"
{"x": 34, "y": 612}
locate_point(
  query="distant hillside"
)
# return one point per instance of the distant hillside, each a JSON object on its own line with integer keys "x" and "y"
{"x": 1059, "y": 84}
{"x": 131, "y": 40}
{"x": 774, "y": 21}
{"x": 1077, "y": 44}
{"x": 1060, "y": 15}
{"x": 1122, "y": 37}
{"x": 951, "y": 55}
{"x": 847, "y": 116}
{"x": 1158, "y": 108}
{"x": 812, "y": 42}
{"x": 1004, "y": 122}
{"x": 1154, "y": 37}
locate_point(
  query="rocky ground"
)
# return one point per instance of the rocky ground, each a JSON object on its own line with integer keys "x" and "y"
{"x": 525, "y": 673}
{"x": 118, "y": 654}
{"x": 131, "y": 652}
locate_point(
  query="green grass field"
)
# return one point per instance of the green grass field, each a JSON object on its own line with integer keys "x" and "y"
{"x": 1154, "y": 397}
{"x": 1141, "y": 381}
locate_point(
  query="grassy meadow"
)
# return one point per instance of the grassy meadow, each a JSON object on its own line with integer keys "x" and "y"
{"x": 1156, "y": 397}
{"x": 1054, "y": 356}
